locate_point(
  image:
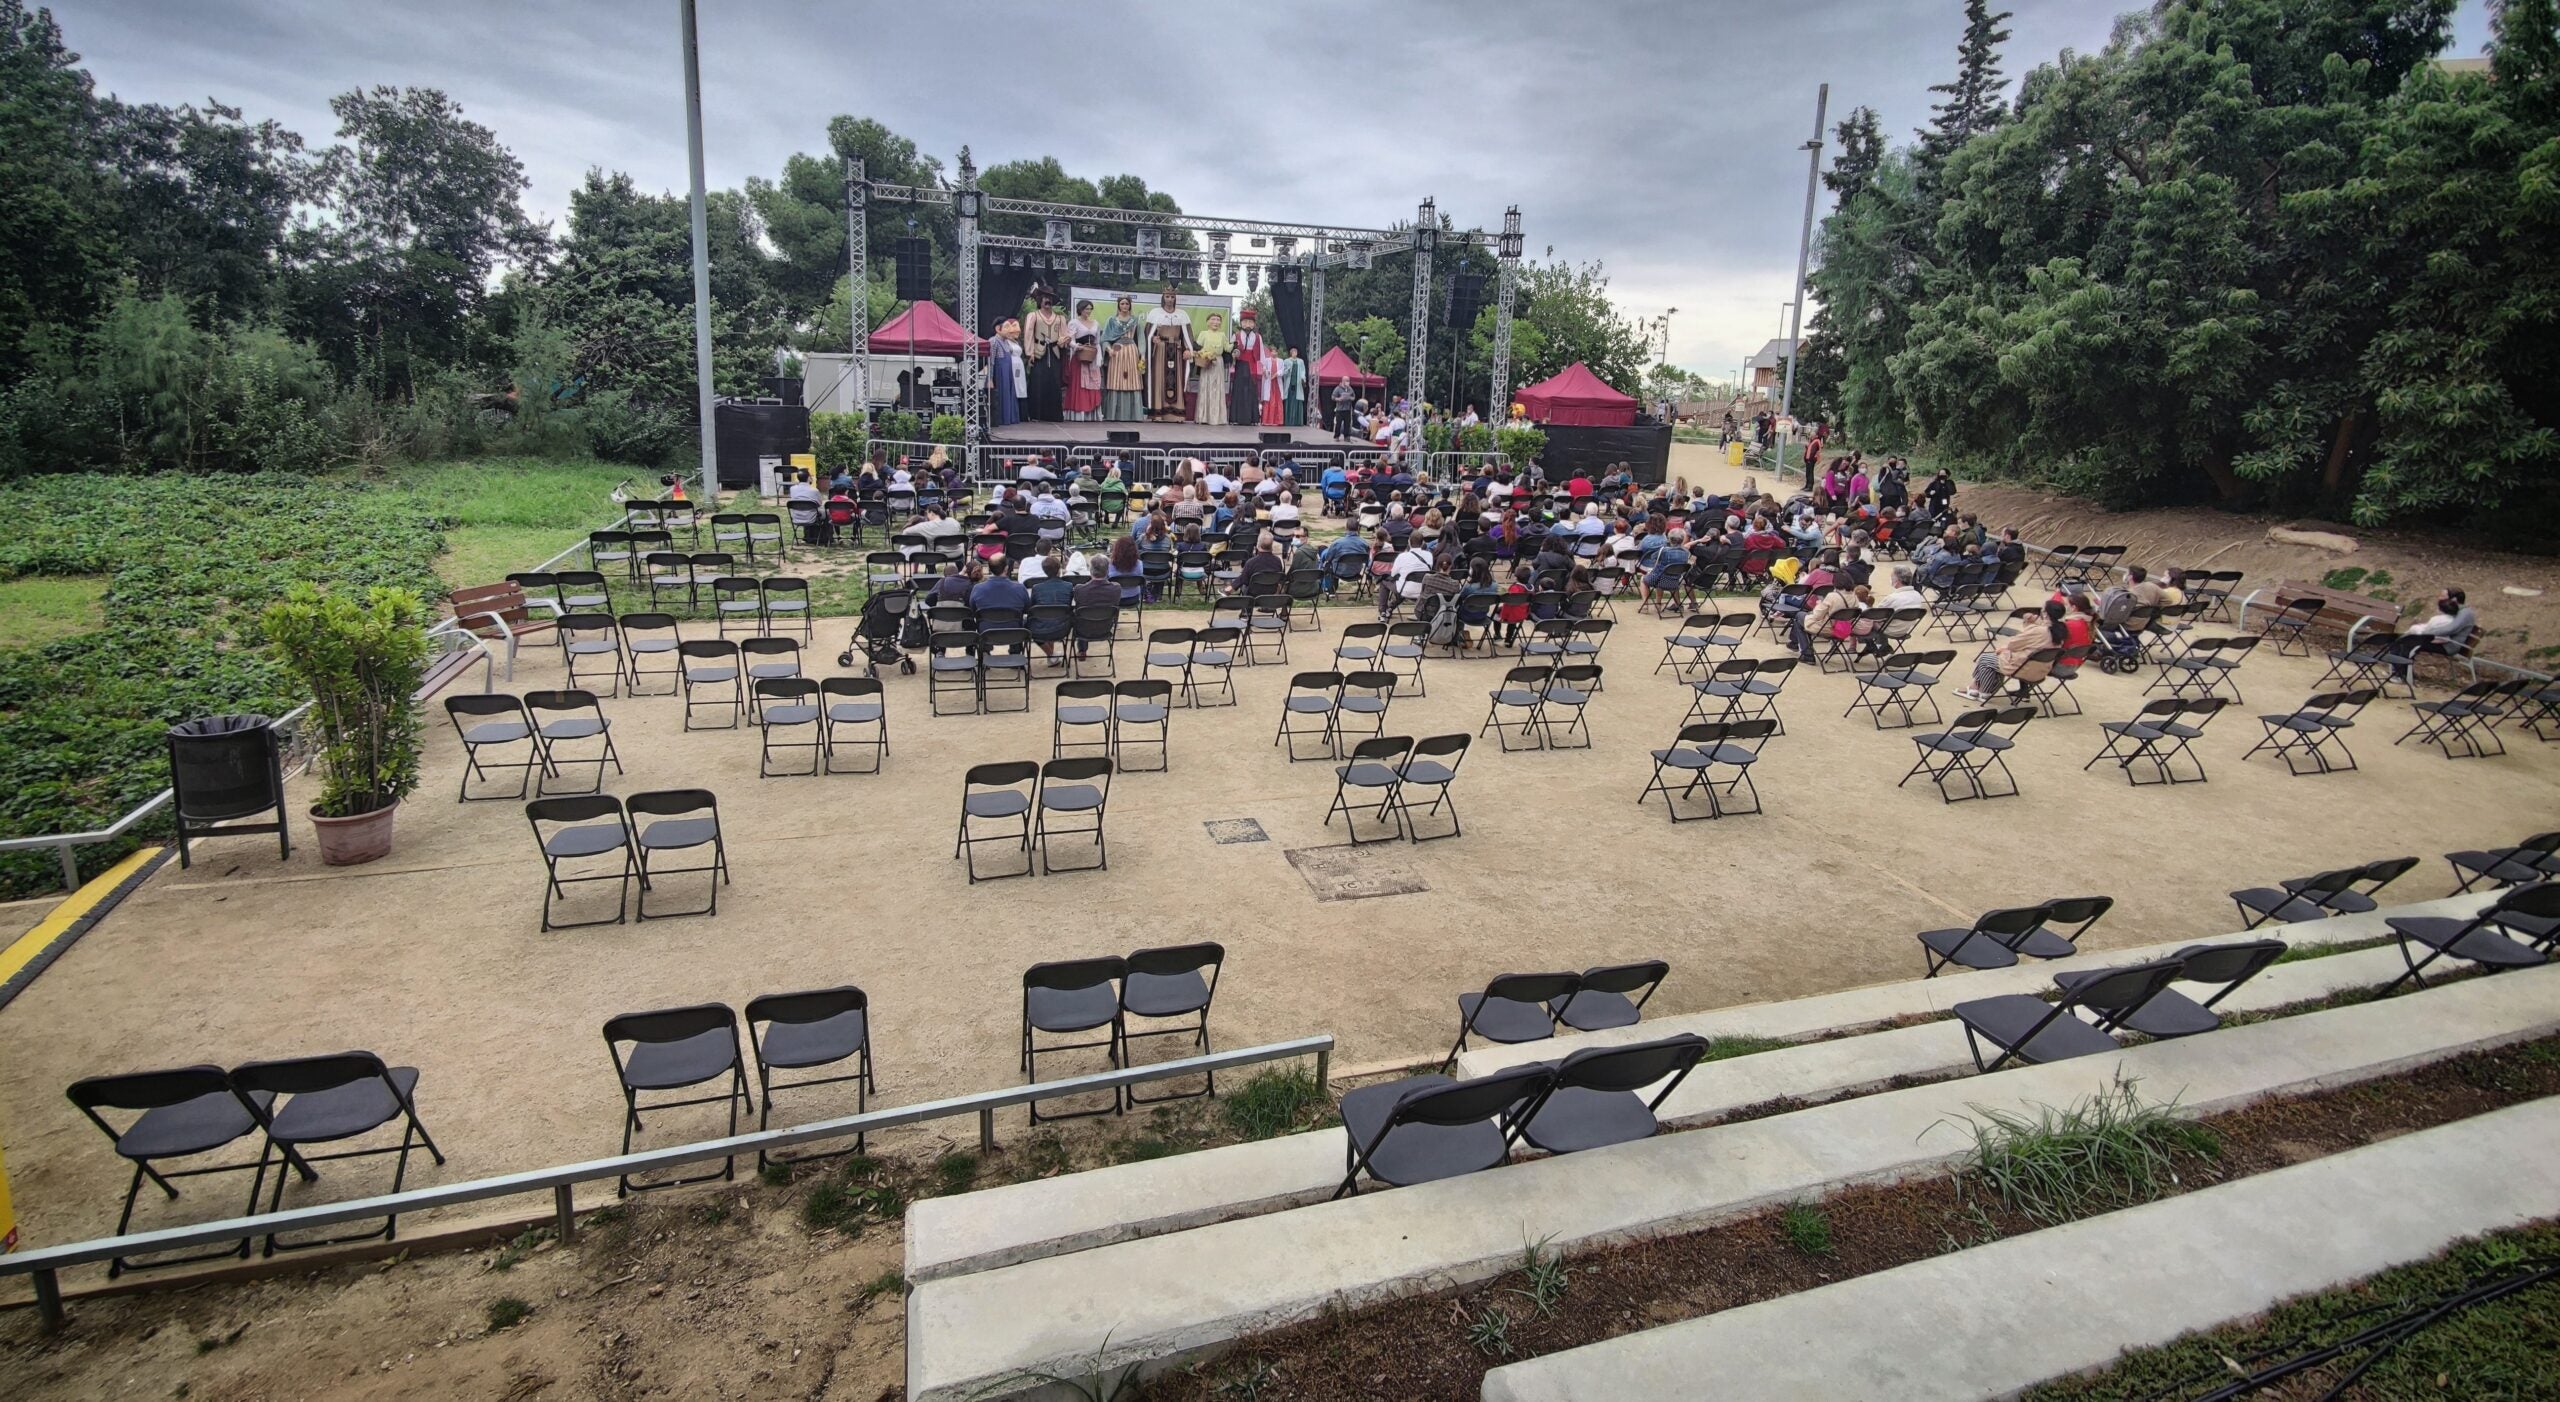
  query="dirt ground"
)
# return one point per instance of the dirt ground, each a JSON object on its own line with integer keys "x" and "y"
{"x": 432, "y": 957}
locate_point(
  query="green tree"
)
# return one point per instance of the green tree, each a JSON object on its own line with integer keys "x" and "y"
{"x": 58, "y": 246}
{"x": 1375, "y": 342}
{"x": 204, "y": 200}
{"x": 1973, "y": 98}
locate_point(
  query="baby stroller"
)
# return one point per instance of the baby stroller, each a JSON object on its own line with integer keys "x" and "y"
{"x": 2118, "y": 634}
{"x": 877, "y": 636}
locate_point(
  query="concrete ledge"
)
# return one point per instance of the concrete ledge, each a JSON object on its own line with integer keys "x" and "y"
{"x": 1798, "y": 1019}
{"x": 1073, "y": 1212}
{"x": 1993, "y": 1320}
{"x": 1163, "y": 1297}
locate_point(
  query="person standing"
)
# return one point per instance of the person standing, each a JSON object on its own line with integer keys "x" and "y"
{"x": 1081, "y": 395}
{"x": 1005, "y": 372}
{"x": 1342, "y": 409}
{"x": 1293, "y": 390}
{"x": 1214, "y": 354}
{"x": 1244, "y": 375}
{"x": 1169, "y": 352}
{"x": 1124, "y": 375}
{"x": 1044, "y": 335}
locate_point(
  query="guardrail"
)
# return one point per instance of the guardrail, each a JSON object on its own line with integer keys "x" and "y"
{"x": 44, "y": 1264}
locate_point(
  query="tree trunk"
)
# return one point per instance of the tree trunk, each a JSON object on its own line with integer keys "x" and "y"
{"x": 2333, "y": 474}
{"x": 2226, "y": 483}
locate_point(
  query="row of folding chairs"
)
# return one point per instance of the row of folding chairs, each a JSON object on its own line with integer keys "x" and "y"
{"x": 612, "y": 654}
{"x": 2157, "y": 739}
{"x": 1968, "y": 759}
{"x": 1741, "y": 689}
{"x": 1900, "y": 683}
{"x": 1117, "y": 718}
{"x": 666, "y": 1050}
{"x": 738, "y": 601}
{"x": 1716, "y": 758}
{"x": 551, "y": 727}
{"x": 2465, "y": 725}
{"x": 1384, "y": 779}
{"x": 1161, "y": 992}
{"x": 823, "y": 716}
{"x": 2342, "y": 891}
{"x": 2534, "y": 859}
{"x": 2080, "y": 564}
{"x": 1198, "y": 661}
{"x": 1328, "y": 706}
{"x": 2312, "y": 737}
{"x": 1545, "y": 705}
{"x": 2132, "y": 998}
{"x": 1997, "y": 939}
{"x": 1424, "y": 1128}
{"x": 294, "y": 1106}
{"x": 594, "y": 838}
{"x": 1026, "y": 803}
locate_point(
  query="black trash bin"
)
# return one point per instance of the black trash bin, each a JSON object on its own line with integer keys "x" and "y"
{"x": 223, "y": 769}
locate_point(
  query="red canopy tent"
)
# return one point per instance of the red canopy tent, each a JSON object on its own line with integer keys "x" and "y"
{"x": 1335, "y": 367}
{"x": 1577, "y": 397}
{"x": 935, "y": 332}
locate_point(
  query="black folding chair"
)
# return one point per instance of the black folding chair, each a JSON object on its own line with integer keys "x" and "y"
{"x": 650, "y": 635}
{"x": 2462, "y": 726}
{"x": 492, "y": 721}
{"x": 592, "y": 644}
{"x": 2169, "y": 1013}
{"x": 675, "y": 1049}
{"x": 2290, "y": 626}
{"x": 1523, "y": 691}
{"x": 1361, "y": 710}
{"x": 803, "y": 1032}
{"x": 2314, "y": 732}
{"x": 183, "y": 1112}
{"x": 1307, "y": 709}
{"x": 677, "y": 820}
{"x": 567, "y": 831}
{"x": 1095, "y": 631}
{"x": 1993, "y": 941}
{"x": 1071, "y": 791}
{"x": 306, "y": 1100}
{"x": 1138, "y": 707}
{"x": 2207, "y": 667}
{"x": 851, "y": 704}
{"x": 2534, "y": 859}
{"x": 1004, "y": 664}
{"x": 564, "y": 721}
{"x": 1513, "y": 1008}
{"x": 789, "y": 706}
{"x": 1066, "y": 997}
{"x": 1176, "y": 984}
{"x": 2315, "y": 897}
{"x": 2022, "y": 1027}
{"x": 1424, "y": 1128}
{"x": 1000, "y": 794}
{"x": 712, "y": 678}
{"x": 1594, "y": 1101}
{"x": 1567, "y": 694}
{"x": 737, "y": 601}
{"x": 1431, "y": 765}
{"x": 951, "y": 665}
{"x": 765, "y": 660}
{"x": 1612, "y": 995}
{"x": 1376, "y": 766}
{"x": 2489, "y": 939}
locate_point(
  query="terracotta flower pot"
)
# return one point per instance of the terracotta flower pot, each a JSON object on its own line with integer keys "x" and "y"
{"x": 347, "y": 842}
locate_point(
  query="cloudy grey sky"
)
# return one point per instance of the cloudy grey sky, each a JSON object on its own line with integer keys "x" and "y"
{"x": 1660, "y": 136}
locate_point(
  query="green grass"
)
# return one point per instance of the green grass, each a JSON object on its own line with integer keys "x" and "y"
{"x": 507, "y": 514}
{"x": 888, "y": 1282}
{"x": 1806, "y": 1228}
{"x": 506, "y": 1312}
{"x": 2111, "y": 1150}
{"x": 954, "y": 1172}
{"x": 1543, "y": 1278}
{"x": 1726, "y": 1048}
{"x": 1273, "y": 1103}
{"x": 39, "y": 609}
{"x": 2503, "y": 1349}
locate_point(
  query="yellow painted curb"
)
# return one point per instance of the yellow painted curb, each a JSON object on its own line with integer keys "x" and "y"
{"x": 79, "y": 903}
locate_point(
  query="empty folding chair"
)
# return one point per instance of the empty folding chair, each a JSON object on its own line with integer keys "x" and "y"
{"x": 306, "y": 1100}
{"x": 1760, "y": 693}
{"x": 1375, "y": 767}
{"x": 951, "y": 669}
{"x": 1899, "y": 682}
{"x": 2206, "y": 668}
{"x": 653, "y": 636}
{"x": 1402, "y": 654}
{"x": 2302, "y": 898}
{"x": 1141, "y": 716}
{"x": 786, "y": 607}
{"x": 1361, "y": 645}
{"x": 1703, "y": 749}
{"x": 1432, "y": 765}
{"x": 565, "y": 722}
{"x": 593, "y": 647}
{"x": 182, "y": 1113}
{"x": 493, "y": 721}
{"x": 2169, "y": 1013}
{"x": 584, "y": 591}
{"x": 2515, "y": 931}
{"x": 767, "y": 659}
{"x": 1175, "y": 984}
{"x": 2534, "y": 859}
{"x": 1004, "y": 666}
{"x": 1213, "y": 654}
{"x": 670, "y": 576}
{"x": 1968, "y": 750}
{"x": 786, "y": 708}
{"x": 1083, "y": 707}
{"x": 1567, "y": 695}
{"x": 1993, "y": 941}
{"x": 729, "y": 530}
{"x": 2022, "y": 1027}
{"x": 2290, "y": 626}
{"x": 1094, "y": 631}
{"x": 1168, "y": 650}
{"x": 1307, "y": 710}
{"x": 998, "y": 795}
{"x": 1266, "y": 636}
{"x": 606, "y": 549}
{"x": 1692, "y": 648}
{"x": 2463, "y": 725}
{"x": 677, "y": 820}
{"x": 585, "y": 830}
{"x": 713, "y": 681}
{"x": 2314, "y": 732}
{"x": 822, "y": 1027}
{"x": 1513, "y": 1008}
{"x": 856, "y": 716}
{"x": 1515, "y": 706}
{"x": 737, "y": 605}
{"x": 1595, "y": 1100}
{"x": 673, "y": 1049}
{"x": 1612, "y": 995}
{"x": 1424, "y": 1128}
{"x": 1361, "y": 711}
{"x": 1066, "y": 997}
{"x": 1072, "y": 791}
{"x": 766, "y": 537}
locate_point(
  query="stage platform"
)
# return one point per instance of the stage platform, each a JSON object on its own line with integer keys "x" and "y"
{"x": 1155, "y": 435}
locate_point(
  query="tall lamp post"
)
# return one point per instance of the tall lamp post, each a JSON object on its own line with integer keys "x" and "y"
{"x": 1804, "y": 252}
{"x": 701, "y": 262}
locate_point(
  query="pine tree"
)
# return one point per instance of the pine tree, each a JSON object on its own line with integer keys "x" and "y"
{"x": 1973, "y": 99}
{"x": 1861, "y": 141}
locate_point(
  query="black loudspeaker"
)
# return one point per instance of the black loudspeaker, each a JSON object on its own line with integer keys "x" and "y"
{"x": 1123, "y": 435}
{"x": 1275, "y": 438}
{"x": 1466, "y": 298}
{"x": 915, "y": 270}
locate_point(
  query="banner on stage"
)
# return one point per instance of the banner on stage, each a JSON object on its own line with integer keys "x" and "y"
{"x": 1193, "y": 305}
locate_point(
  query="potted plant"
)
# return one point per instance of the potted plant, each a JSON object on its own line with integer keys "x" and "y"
{"x": 363, "y": 662}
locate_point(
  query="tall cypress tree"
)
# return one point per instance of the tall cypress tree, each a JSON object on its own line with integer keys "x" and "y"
{"x": 1973, "y": 99}
{"x": 1861, "y": 140}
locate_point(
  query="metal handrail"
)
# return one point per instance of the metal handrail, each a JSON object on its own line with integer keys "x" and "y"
{"x": 44, "y": 1263}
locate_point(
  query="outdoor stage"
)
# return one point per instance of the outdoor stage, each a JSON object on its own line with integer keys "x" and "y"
{"x": 1155, "y": 435}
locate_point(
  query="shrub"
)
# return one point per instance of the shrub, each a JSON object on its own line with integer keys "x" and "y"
{"x": 949, "y": 429}
{"x": 1476, "y": 438}
{"x": 839, "y": 441}
{"x": 1521, "y": 446}
{"x": 2111, "y": 1150}
{"x": 1272, "y": 1103}
{"x": 363, "y": 663}
{"x": 901, "y": 426}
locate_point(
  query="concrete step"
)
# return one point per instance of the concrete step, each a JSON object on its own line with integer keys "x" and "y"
{"x": 1800, "y": 1019}
{"x": 1076, "y": 1211}
{"x": 1160, "y": 1298}
{"x": 1993, "y": 1320}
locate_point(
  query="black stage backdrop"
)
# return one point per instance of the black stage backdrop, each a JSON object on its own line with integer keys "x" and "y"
{"x": 1289, "y": 308}
{"x": 1000, "y": 295}
{"x": 1645, "y": 447}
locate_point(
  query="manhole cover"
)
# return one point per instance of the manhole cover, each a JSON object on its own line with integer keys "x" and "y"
{"x": 1354, "y": 874}
{"x": 1224, "y": 831}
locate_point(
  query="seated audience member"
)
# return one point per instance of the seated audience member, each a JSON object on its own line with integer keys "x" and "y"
{"x": 2442, "y": 633}
{"x": 2006, "y": 656}
{"x": 1904, "y": 596}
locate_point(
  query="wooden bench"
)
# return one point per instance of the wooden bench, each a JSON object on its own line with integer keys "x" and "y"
{"x": 2294, "y": 608}
{"x": 498, "y": 611}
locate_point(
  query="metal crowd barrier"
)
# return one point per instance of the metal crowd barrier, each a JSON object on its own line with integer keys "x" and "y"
{"x": 44, "y": 1264}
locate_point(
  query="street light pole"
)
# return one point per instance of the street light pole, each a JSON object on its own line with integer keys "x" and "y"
{"x": 1804, "y": 253}
{"x": 702, "y": 262}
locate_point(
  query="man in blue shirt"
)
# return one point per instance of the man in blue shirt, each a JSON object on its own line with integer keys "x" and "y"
{"x": 1348, "y": 547}
{"x": 1000, "y": 590}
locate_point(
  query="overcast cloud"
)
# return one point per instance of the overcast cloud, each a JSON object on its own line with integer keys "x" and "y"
{"x": 1661, "y": 138}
